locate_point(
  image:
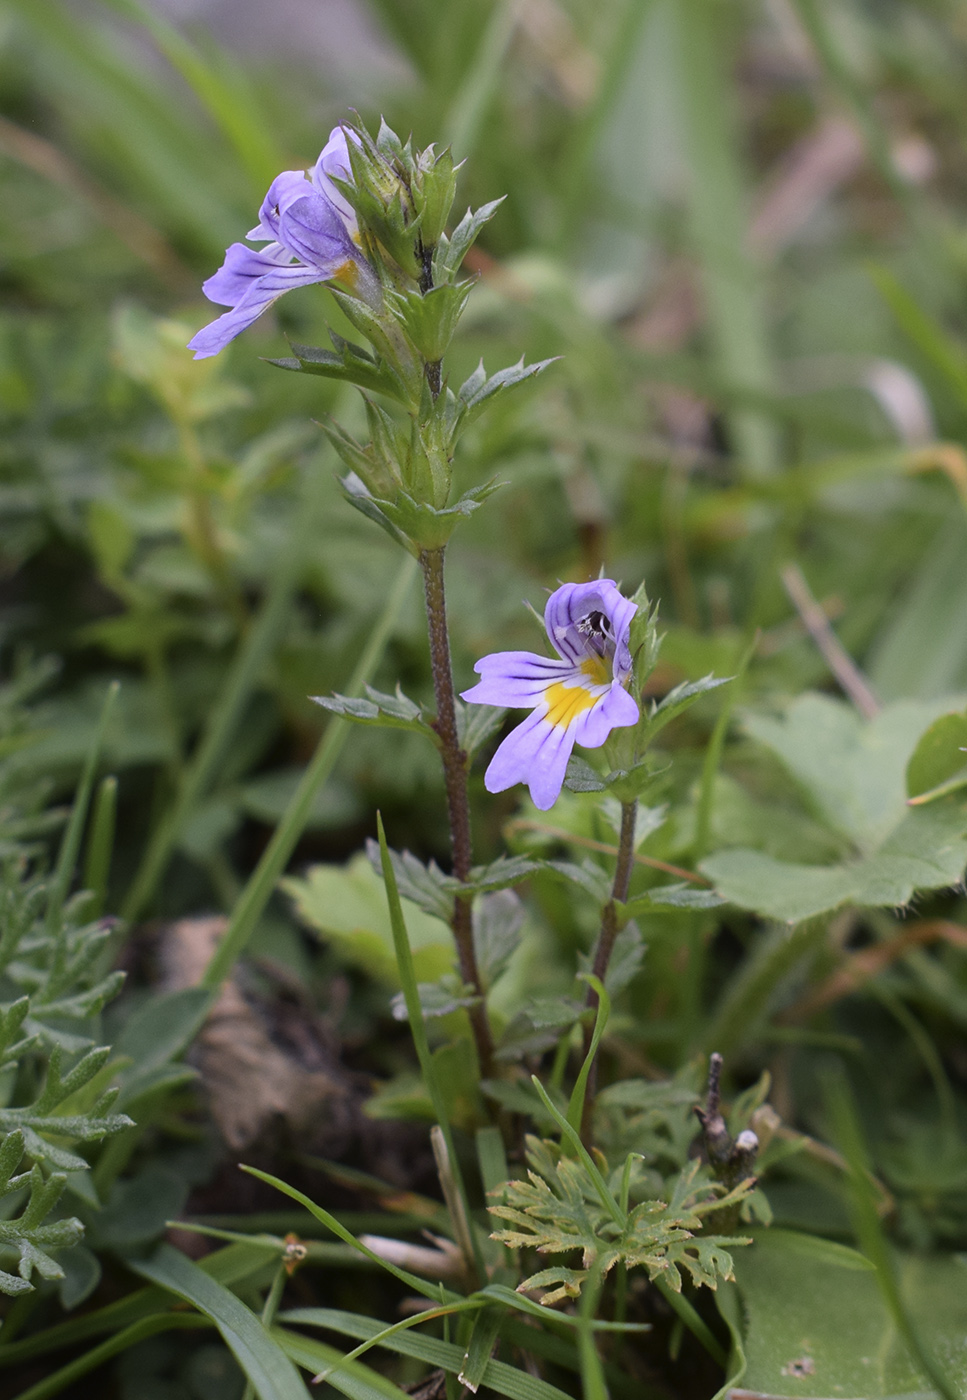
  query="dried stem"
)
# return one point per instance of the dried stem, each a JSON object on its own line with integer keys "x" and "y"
{"x": 455, "y": 778}
{"x": 849, "y": 676}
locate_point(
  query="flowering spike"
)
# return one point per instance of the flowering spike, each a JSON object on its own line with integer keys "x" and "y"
{"x": 577, "y": 699}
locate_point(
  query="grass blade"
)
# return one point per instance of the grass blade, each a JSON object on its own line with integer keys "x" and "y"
{"x": 261, "y": 1358}
{"x": 121, "y": 1341}
{"x": 498, "y": 1375}
{"x": 411, "y": 996}
{"x": 100, "y": 844}
{"x": 67, "y": 856}
{"x": 419, "y": 1285}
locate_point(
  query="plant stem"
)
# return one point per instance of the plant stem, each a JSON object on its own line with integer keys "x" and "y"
{"x": 455, "y": 779}
{"x": 606, "y": 939}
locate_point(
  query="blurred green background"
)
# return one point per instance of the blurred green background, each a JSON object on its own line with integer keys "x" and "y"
{"x": 739, "y": 225}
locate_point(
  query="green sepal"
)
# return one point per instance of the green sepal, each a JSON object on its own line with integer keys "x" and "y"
{"x": 431, "y": 319}
{"x": 388, "y": 337}
{"x": 450, "y": 252}
{"x": 626, "y": 784}
{"x": 359, "y": 496}
{"x": 349, "y": 363}
{"x": 630, "y": 784}
{"x": 433, "y": 193}
{"x": 424, "y": 525}
{"x": 388, "y": 711}
{"x": 644, "y": 641}
{"x": 380, "y": 192}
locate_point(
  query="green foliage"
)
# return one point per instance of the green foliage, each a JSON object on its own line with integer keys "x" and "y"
{"x": 795, "y": 1293}
{"x": 52, "y": 986}
{"x": 31, "y": 1233}
{"x": 743, "y": 376}
{"x": 559, "y": 1210}
{"x": 853, "y": 775}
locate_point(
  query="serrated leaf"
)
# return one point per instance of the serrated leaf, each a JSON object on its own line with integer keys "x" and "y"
{"x": 500, "y": 874}
{"x": 474, "y": 394}
{"x": 587, "y": 876}
{"x": 926, "y": 851}
{"x": 581, "y": 777}
{"x": 352, "y": 366}
{"x": 431, "y": 319}
{"x": 678, "y": 896}
{"x": 535, "y": 1028}
{"x": 680, "y": 699}
{"x": 452, "y": 251}
{"x": 385, "y": 711}
{"x": 476, "y": 723}
{"x": 426, "y": 885}
{"x": 497, "y": 921}
{"x": 361, "y": 498}
{"x": 437, "y": 998}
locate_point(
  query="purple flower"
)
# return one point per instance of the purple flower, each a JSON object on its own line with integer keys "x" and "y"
{"x": 308, "y": 227}
{"x": 578, "y": 699}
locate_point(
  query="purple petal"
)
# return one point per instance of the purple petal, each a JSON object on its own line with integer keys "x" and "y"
{"x": 615, "y": 710}
{"x": 515, "y": 678}
{"x": 536, "y": 753}
{"x": 334, "y": 160}
{"x": 571, "y": 602}
{"x": 260, "y": 294}
{"x": 284, "y": 190}
{"x": 311, "y": 228}
{"x": 242, "y": 266}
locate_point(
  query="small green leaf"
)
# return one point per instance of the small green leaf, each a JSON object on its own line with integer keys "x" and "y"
{"x": 938, "y": 764}
{"x": 476, "y": 392}
{"x": 679, "y": 896}
{"x": 497, "y": 921}
{"x": 386, "y": 711}
{"x": 426, "y": 885}
{"x": 679, "y": 700}
{"x": 451, "y": 251}
{"x": 581, "y": 777}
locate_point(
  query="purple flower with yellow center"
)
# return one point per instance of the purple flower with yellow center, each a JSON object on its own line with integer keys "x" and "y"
{"x": 576, "y": 699}
{"x": 308, "y": 227}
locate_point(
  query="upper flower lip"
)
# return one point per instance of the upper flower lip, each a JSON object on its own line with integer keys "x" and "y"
{"x": 308, "y": 227}
{"x": 572, "y": 604}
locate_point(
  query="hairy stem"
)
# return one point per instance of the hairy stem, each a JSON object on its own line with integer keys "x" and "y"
{"x": 606, "y": 940}
{"x": 455, "y": 779}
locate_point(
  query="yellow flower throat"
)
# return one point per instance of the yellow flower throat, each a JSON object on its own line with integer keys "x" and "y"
{"x": 566, "y": 702}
